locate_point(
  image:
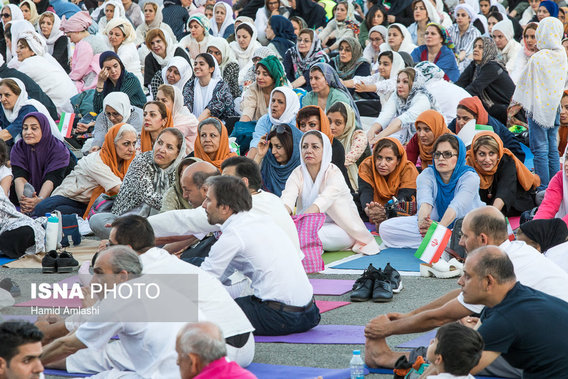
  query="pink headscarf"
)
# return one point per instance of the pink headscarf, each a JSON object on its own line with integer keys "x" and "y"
{"x": 79, "y": 22}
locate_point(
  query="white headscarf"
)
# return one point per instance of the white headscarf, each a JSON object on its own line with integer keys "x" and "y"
{"x": 369, "y": 53}
{"x": 125, "y": 26}
{"x": 170, "y": 50}
{"x": 397, "y": 65}
{"x": 15, "y": 11}
{"x": 55, "y": 34}
{"x": 563, "y": 209}
{"x": 407, "y": 45}
{"x": 311, "y": 189}
{"x": 540, "y": 88}
{"x": 35, "y": 41}
{"x": 219, "y": 32}
{"x": 120, "y": 102}
{"x": 227, "y": 53}
{"x": 16, "y": 29}
{"x": 119, "y": 12}
{"x": 244, "y": 56}
{"x": 180, "y": 113}
{"x": 433, "y": 14}
{"x": 24, "y": 100}
{"x": 200, "y": 102}
{"x": 468, "y": 9}
{"x": 474, "y": 4}
{"x": 505, "y": 27}
{"x": 292, "y": 106}
{"x": 184, "y": 69}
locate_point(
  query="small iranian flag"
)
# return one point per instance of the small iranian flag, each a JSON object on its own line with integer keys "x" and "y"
{"x": 66, "y": 124}
{"x": 510, "y": 231}
{"x": 434, "y": 243}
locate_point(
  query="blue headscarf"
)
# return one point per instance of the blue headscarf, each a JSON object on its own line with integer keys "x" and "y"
{"x": 275, "y": 175}
{"x": 284, "y": 34}
{"x": 445, "y": 193}
{"x": 551, "y": 7}
{"x": 108, "y": 86}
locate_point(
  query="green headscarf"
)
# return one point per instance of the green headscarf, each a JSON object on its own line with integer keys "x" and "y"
{"x": 275, "y": 69}
{"x": 202, "y": 20}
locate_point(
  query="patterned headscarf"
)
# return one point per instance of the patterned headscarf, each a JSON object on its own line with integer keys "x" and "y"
{"x": 347, "y": 70}
{"x": 447, "y": 40}
{"x": 202, "y": 20}
{"x": 430, "y": 71}
{"x": 275, "y": 69}
{"x": 490, "y": 51}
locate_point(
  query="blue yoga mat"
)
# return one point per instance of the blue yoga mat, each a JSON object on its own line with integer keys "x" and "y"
{"x": 529, "y": 157}
{"x": 5, "y": 260}
{"x": 267, "y": 371}
{"x": 400, "y": 259}
{"x": 51, "y": 371}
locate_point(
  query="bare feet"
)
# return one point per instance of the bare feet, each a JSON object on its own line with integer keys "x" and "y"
{"x": 378, "y": 354}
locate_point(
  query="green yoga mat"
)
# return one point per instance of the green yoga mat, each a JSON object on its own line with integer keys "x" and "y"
{"x": 333, "y": 256}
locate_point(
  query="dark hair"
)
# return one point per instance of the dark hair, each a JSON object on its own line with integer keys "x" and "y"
{"x": 491, "y": 224}
{"x": 245, "y": 168}
{"x": 450, "y": 138}
{"x": 285, "y": 137}
{"x": 372, "y": 12}
{"x": 185, "y": 163}
{"x": 386, "y": 143}
{"x": 208, "y": 59}
{"x": 314, "y": 133}
{"x": 245, "y": 27}
{"x": 530, "y": 25}
{"x": 387, "y": 54}
{"x": 168, "y": 90}
{"x": 460, "y": 347}
{"x": 4, "y": 155}
{"x": 12, "y": 84}
{"x": 179, "y": 136}
{"x": 230, "y": 191}
{"x": 161, "y": 106}
{"x": 480, "y": 26}
{"x": 435, "y": 26}
{"x": 24, "y": 43}
{"x": 460, "y": 106}
{"x": 496, "y": 15}
{"x": 14, "y": 334}
{"x": 495, "y": 262}
{"x": 135, "y": 231}
{"x": 307, "y": 112}
{"x": 200, "y": 177}
{"x": 338, "y": 107}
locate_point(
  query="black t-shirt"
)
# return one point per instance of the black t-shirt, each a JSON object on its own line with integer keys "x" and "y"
{"x": 530, "y": 329}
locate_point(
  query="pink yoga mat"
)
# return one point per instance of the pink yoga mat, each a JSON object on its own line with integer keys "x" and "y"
{"x": 331, "y": 287}
{"x": 325, "y": 306}
{"x": 322, "y": 334}
{"x": 71, "y": 303}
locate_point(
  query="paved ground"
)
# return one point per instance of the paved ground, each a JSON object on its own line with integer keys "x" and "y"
{"x": 417, "y": 291}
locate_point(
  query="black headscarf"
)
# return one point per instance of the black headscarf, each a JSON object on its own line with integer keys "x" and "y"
{"x": 311, "y": 12}
{"x": 547, "y": 233}
{"x": 108, "y": 86}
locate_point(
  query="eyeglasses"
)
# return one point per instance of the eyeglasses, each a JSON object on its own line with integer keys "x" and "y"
{"x": 6, "y": 15}
{"x": 306, "y": 40}
{"x": 445, "y": 154}
{"x": 375, "y": 39}
{"x": 112, "y": 114}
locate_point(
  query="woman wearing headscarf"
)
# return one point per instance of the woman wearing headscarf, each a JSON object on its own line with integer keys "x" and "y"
{"x": 223, "y": 25}
{"x": 398, "y": 39}
{"x": 153, "y": 19}
{"x": 503, "y": 35}
{"x": 212, "y": 143}
{"x": 506, "y": 183}
{"x": 14, "y": 12}
{"x": 350, "y": 63}
{"x": 56, "y": 41}
{"x": 177, "y": 72}
{"x": 463, "y": 34}
{"x": 244, "y": 47}
{"x": 196, "y": 42}
{"x": 112, "y": 9}
{"x": 116, "y": 109}
{"x": 548, "y": 237}
{"x": 299, "y": 59}
{"x": 376, "y": 16}
{"x": 399, "y": 114}
{"x": 85, "y": 61}
{"x": 29, "y": 11}
{"x": 377, "y": 36}
{"x": 209, "y": 96}
{"x": 527, "y": 50}
{"x": 487, "y": 78}
{"x": 429, "y": 126}
{"x": 157, "y": 117}
{"x": 280, "y": 33}
{"x": 16, "y": 107}
{"x": 310, "y": 12}
{"x": 555, "y": 202}
{"x": 173, "y": 199}
{"x": 39, "y": 159}
{"x": 182, "y": 118}
{"x": 149, "y": 176}
{"x": 113, "y": 77}
{"x": 223, "y": 54}
{"x": 263, "y": 14}
{"x": 161, "y": 53}
{"x": 269, "y": 75}
{"x": 446, "y": 191}
{"x": 45, "y": 70}
{"x": 13, "y": 32}
{"x": 539, "y": 92}
{"x": 298, "y": 23}
{"x": 384, "y": 175}
{"x": 546, "y": 9}
{"x": 121, "y": 36}
{"x": 424, "y": 13}
{"x": 438, "y": 49}
{"x": 97, "y": 173}
{"x": 317, "y": 186}
{"x": 342, "y": 25}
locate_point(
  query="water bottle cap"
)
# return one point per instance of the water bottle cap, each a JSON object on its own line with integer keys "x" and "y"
{"x": 48, "y": 215}
{"x": 356, "y": 352}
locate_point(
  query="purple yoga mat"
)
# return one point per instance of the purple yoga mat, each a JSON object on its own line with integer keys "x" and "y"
{"x": 267, "y": 371}
{"x": 28, "y": 318}
{"x": 71, "y": 303}
{"x": 422, "y": 340}
{"x": 322, "y": 334}
{"x": 331, "y": 287}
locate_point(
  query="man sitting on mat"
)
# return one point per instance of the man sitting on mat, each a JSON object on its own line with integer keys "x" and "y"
{"x": 481, "y": 227}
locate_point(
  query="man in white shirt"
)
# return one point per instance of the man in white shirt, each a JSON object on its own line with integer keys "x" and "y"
{"x": 255, "y": 246}
{"x": 20, "y": 350}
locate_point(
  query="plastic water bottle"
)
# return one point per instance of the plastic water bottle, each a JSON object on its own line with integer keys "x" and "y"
{"x": 357, "y": 366}
{"x": 51, "y": 232}
{"x": 29, "y": 190}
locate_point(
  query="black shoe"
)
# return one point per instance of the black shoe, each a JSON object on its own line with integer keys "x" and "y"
{"x": 382, "y": 289}
{"x": 49, "y": 262}
{"x": 11, "y": 287}
{"x": 66, "y": 262}
{"x": 363, "y": 287}
{"x": 393, "y": 277}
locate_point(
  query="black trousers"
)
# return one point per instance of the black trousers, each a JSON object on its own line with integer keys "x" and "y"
{"x": 14, "y": 243}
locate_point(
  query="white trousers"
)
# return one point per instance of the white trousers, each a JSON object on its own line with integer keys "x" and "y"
{"x": 334, "y": 238}
{"x": 401, "y": 232}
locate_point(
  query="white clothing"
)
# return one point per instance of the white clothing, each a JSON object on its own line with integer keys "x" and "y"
{"x": 129, "y": 56}
{"x": 401, "y": 232}
{"x": 420, "y": 103}
{"x": 559, "y": 255}
{"x": 5, "y": 171}
{"x": 333, "y": 238}
{"x": 533, "y": 270}
{"x": 527, "y": 16}
{"x": 521, "y": 61}
{"x": 510, "y": 53}
{"x": 407, "y": 44}
{"x": 447, "y": 95}
{"x": 255, "y": 246}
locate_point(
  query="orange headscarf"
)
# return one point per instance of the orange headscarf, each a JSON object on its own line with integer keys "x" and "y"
{"x": 525, "y": 177}
{"x": 437, "y": 124}
{"x": 146, "y": 139}
{"x": 324, "y": 122}
{"x": 109, "y": 157}
{"x": 384, "y": 188}
{"x": 222, "y": 153}
{"x": 474, "y": 104}
{"x": 562, "y": 132}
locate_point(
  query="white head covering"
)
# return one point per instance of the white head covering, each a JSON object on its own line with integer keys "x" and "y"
{"x": 170, "y": 50}
{"x": 179, "y": 110}
{"x": 184, "y": 69}
{"x": 15, "y": 11}
{"x": 292, "y": 106}
{"x": 125, "y": 26}
{"x": 469, "y": 10}
{"x": 563, "y": 209}
{"x": 407, "y": 45}
{"x": 474, "y": 4}
{"x": 433, "y": 14}
{"x": 219, "y": 32}
{"x": 227, "y": 53}
{"x": 505, "y": 27}
{"x": 36, "y": 42}
{"x": 120, "y": 102}
{"x": 483, "y": 20}
{"x": 397, "y": 64}
{"x": 17, "y": 28}
{"x": 311, "y": 189}
{"x": 369, "y": 53}
{"x": 119, "y": 12}
{"x": 55, "y": 34}
{"x": 540, "y": 87}
{"x": 244, "y": 56}
{"x": 200, "y": 102}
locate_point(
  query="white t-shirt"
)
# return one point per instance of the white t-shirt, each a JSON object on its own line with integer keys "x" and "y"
{"x": 5, "y": 171}
{"x": 559, "y": 255}
{"x": 533, "y": 270}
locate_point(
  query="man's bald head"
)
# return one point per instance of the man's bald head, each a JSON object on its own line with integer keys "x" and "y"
{"x": 197, "y": 345}
{"x": 483, "y": 226}
{"x": 192, "y": 180}
{"x": 491, "y": 260}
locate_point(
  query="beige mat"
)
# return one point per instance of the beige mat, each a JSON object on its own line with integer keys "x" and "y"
{"x": 83, "y": 252}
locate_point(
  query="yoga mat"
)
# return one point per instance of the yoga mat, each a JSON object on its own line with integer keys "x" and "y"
{"x": 28, "y": 318}
{"x": 331, "y": 287}
{"x": 400, "y": 259}
{"x": 55, "y": 372}
{"x": 529, "y": 157}
{"x": 322, "y": 334}
{"x": 371, "y": 227}
{"x": 515, "y": 222}
{"x": 71, "y": 303}
{"x": 387, "y": 371}
{"x": 83, "y": 252}
{"x": 5, "y": 260}
{"x": 267, "y": 371}
{"x": 325, "y": 306}
{"x": 421, "y": 340}
{"x": 332, "y": 256}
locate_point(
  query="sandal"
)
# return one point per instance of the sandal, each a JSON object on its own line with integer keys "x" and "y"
{"x": 440, "y": 269}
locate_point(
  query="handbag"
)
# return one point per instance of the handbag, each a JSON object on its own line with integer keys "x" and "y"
{"x": 395, "y": 208}
{"x": 102, "y": 204}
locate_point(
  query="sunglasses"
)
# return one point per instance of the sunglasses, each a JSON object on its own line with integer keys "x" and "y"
{"x": 6, "y": 15}
{"x": 445, "y": 154}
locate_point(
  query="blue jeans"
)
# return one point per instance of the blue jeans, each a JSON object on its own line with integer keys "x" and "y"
{"x": 59, "y": 203}
{"x": 272, "y": 322}
{"x": 544, "y": 146}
